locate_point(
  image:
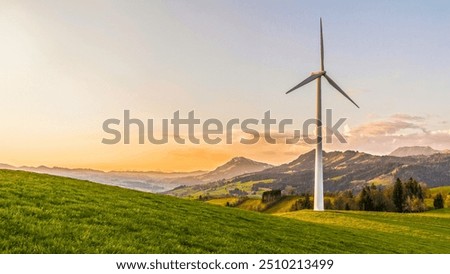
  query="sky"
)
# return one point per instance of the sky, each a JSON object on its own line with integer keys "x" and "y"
{"x": 67, "y": 66}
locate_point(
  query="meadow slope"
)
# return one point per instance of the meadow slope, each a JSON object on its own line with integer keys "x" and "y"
{"x": 49, "y": 214}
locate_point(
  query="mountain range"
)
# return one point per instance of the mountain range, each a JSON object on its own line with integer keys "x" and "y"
{"x": 415, "y": 151}
{"x": 235, "y": 167}
{"x": 152, "y": 181}
{"x": 348, "y": 170}
{"x": 342, "y": 170}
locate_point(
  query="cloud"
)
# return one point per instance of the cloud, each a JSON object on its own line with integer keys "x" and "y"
{"x": 440, "y": 132}
{"x": 384, "y": 136}
{"x": 407, "y": 117}
{"x": 390, "y": 127}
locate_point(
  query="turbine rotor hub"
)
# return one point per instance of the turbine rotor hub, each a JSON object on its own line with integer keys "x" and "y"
{"x": 321, "y": 73}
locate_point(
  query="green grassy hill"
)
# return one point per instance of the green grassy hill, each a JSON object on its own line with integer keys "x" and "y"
{"x": 284, "y": 205}
{"x": 48, "y": 214}
{"x": 444, "y": 190}
{"x": 218, "y": 189}
{"x": 223, "y": 201}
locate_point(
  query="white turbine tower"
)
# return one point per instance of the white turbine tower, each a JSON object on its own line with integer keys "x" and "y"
{"x": 318, "y": 177}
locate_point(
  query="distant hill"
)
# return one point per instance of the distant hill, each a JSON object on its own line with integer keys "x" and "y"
{"x": 349, "y": 170}
{"x": 5, "y": 166}
{"x": 152, "y": 181}
{"x": 234, "y": 167}
{"x": 413, "y": 151}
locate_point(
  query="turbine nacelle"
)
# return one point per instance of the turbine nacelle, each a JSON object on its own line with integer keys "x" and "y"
{"x": 318, "y": 73}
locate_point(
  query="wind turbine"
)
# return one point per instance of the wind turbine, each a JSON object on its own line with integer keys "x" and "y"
{"x": 318, "y": 176}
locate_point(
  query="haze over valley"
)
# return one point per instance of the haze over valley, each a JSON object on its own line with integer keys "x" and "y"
{"x": 348, "y": 170}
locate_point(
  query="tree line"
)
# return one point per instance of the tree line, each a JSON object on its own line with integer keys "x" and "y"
{"x": 405, "y": 196}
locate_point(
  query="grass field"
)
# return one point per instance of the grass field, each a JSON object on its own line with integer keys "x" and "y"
{"x": 223, "y": 190}
{"x": 223, "y": 201}
{"x": 284, "y": 205}
{"x": 444, "y": 190}
{"x": 381, "y": 226}
{"x": 48, "y": 214}
{"x": 252, "y": 204}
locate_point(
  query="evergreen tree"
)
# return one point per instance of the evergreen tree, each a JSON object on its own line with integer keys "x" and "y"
{"x": 438, "y": 201}
{"x": 307, "y": 203}
{"x": 347, "y": 206}
{"x": 366, "y": 199}
{"x": 409, "y": 188}
{"x": 397, "y": 196}
{"x": 362, "y": 199}
{"x": 420, "y": 193}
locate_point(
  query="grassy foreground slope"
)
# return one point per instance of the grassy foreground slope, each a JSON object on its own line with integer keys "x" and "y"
{"x": 432, "y": 227}
{"x": 48, "y": 214}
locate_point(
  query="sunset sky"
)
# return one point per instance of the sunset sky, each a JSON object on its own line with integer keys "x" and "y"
{"x": 67, "y": 66}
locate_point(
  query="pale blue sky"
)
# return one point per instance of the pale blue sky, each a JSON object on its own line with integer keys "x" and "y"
{"x": 69, "y": 65}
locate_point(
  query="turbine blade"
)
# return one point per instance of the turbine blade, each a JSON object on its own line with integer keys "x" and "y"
{"x": 322, "y": 67}
{"x": 304, "y": 82}
{"x": 339, "y": 89}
